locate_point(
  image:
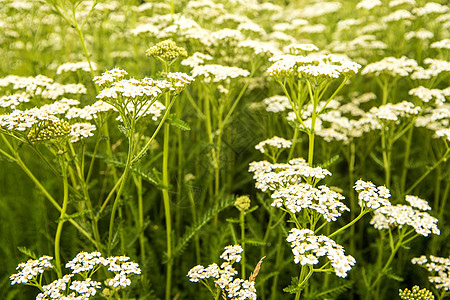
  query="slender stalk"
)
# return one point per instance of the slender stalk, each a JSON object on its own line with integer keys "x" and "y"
{"x": 406, "y": 161}
{"x": 62, "y": 216}
{"x": 166, "y": 199}
{"x": 242, "y": 224}
{"x": 123, "y": 180}
{"x": 386, "y": 148}
{"x": 443, "y": 158}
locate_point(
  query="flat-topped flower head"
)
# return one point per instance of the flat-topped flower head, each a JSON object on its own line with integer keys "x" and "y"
{"x": 85, "y": 261}
{"x": 272, "y": 176}
{"x": 312, "y": 66}
{"x": 196, "y": 59}
{"x": 218, "y": 73}
{"x": 417, "y": 202}
{"x": 167, "y": 51}
{"x": 277, "y": 104}
{"x": 395, "y": 112}
{"x": 401, "y": 215}
{"x": 231, "y": 253}
{"x": 74, "y": 67}
{"x": 392, "y": 66}
{"x": 273, "y": 144}
{"x": 439, "y": 268}
{"x": 303, "y": 196}
{"x": 179, "y": 80}
{"x": 426, "y": 94}
{"x": 110, "y": 76}
{"x": 29, "y": 270}
{"x": 371, "y": 196}
{"x": 300, "y": 49}
{"x": 308, "y": 248}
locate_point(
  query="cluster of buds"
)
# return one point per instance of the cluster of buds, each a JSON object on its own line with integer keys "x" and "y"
{"x": 167, "y": 51}
{"x": 48, "y": 130}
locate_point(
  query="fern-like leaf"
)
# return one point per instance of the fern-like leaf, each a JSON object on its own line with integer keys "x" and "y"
{"x": 331, "y": 293}
{"x": 202, "y": 221}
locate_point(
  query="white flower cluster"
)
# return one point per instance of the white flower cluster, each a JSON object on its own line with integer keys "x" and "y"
{"x": 271, "y": 177}
{"x": 55, "y": 290}
{"x": 436, "y": 66}
{"x": 260, "y": 48}
{"x": 421, "y": 34}
{"x": 398, "y": 15}
{"x": 273, "y": 144}
{"x": 88, "y": 112}
{"x": 73, "y": 67}
{"x": 196, "y": 59}
{"x": 445, "y": 133}
{"x": 401, "y": 215}
{"x": 392, "y": 66}
{"x": 442, "y": 44}
{"x": 277, "y": 104}
{"x": 319, "y": 9}
{"x": 81, "y": 130}
{"x": 236, "y": 288}
{"x": 297, "y": 49}
{"x": 11, "y": 101}
{"x": 426, "y": 94}
{"x": 394, "y": 3}
{"x": 179, "y": 80}
{"x": 217, "y": 73}
{"x": 31, "y": 269}
{"x": 312, "y": 65}
{"x": 417, "y": 202}
{"x": 395, "y": 112}
{"x": 137, "y": 98}
{"x": 435, "y": 119}
{"x": 368, "y": 4}
{"x": 122, "y": 268}
{"x": 369, "y": 195}
{"x": 431, "y": 8}
{"x": 84, "y": 263}
{"x": 308, "y": 248}
{"x": 109, "y": 77}
{"x": 301, "y": 196}
{"x": 439, "y": 267}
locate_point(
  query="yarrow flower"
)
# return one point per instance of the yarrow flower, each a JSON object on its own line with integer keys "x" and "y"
{"x": 371, "y": 196}
{"x": 301, "y": 196}
{"x": 273, "y": 144}
{"x": 439, "y": 267}
{"x": 391, "y": 66}
{"x": 85, "y": 264}
{"x": 400, "y": 215}
{"x": 271, "y": 177}
{"x": 308, "y": 248}
{"x": 217, "y": 73}
{"x": 29, "y": 270}
{"x": 235, "y": 288}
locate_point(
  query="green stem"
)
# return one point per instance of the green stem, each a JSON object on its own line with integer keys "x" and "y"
{"x": 123, "y": 180}
{"x": 62, "y": 216}
{"x": 166, "y": 199}
{"x": 242, "y": 224}
{"x": 302, "y": 279}
{"x": 406, "y": 161}
{"x": 361, "y": 214}
{"x": 386, "y": 148}
{"x": 443, "y": 158}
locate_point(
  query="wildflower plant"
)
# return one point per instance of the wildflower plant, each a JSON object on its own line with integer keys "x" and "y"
{"x": 83, "y": 266}
{"x": 127, "y": 127}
